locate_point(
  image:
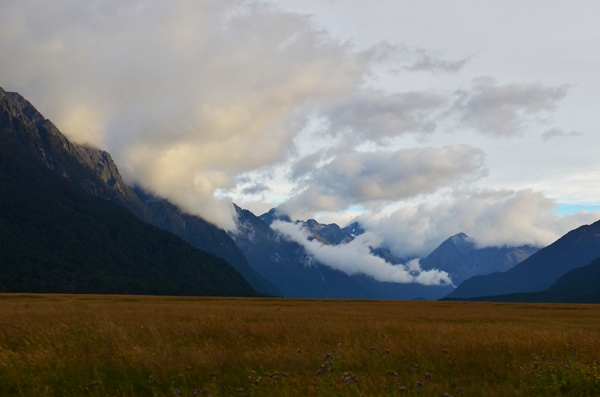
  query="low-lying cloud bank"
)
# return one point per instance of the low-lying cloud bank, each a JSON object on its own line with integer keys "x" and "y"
{"x": 492, "y": 217}
{"x": 355, "y": 258}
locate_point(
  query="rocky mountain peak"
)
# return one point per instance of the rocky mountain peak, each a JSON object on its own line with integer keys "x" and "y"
{"x": 354, "y": 229}
{"x": 274, "y": 215}
{"x": 462, "y": 240}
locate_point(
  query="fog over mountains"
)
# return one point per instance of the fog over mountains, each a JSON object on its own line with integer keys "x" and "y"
{"x": 70, "y": 224}
{"x": 417, "y": 132}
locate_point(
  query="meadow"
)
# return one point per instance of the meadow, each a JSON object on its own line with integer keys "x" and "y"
{"x": 95, "y": 345}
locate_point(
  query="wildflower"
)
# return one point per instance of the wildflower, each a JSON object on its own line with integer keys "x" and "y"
{"x": 567, "y": 367}
{"x": 177, "y": 392}
{"x": 285, "y": 374}
{"x": 427, "y": 376}
{"x": 392, "y": 373}
{"x": 419, "y": 384}
{"x": 348, "y": 377}
{"x": 402, "y": 388}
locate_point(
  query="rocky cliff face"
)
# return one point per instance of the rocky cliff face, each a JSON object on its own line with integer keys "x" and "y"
{"x": 99, "y": 174}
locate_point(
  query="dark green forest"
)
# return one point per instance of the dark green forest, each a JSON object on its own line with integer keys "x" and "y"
{"x": 57, "y": 238}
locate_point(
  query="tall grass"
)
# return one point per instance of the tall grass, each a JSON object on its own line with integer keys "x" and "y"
{"x": 58, "y": 345}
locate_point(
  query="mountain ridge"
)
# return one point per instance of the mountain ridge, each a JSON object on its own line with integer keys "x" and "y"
{"x": 575, "y": 249}
{"x": 462, "y": 258}
{"x": 58, "y": 238}
{"x": 94, "y": 171}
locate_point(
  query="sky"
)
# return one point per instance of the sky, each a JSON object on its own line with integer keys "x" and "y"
{"x": 420, "y": 119}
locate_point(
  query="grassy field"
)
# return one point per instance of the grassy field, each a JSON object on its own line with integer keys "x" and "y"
{"x": 58, "y": 345}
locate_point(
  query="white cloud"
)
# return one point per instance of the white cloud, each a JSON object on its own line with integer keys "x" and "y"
{"x": 427, "y": 62}
{"x": 555, "y": 132}
{"x": 492, "y": 217}
{"x": 383, "y": 176}
{"x": 355, "y": 258}
{"x": 186, "y": 95}
{"x": 374, "y": 115}
{"x": 504, "y": 109}
{"x": 189, "y": 96}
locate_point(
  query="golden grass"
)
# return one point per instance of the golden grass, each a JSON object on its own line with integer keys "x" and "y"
{"x": 60, "y": 345}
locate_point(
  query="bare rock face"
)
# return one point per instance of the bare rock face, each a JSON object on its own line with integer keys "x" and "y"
{"x": 99, "y": 176}
{"x": 105, "y": 168}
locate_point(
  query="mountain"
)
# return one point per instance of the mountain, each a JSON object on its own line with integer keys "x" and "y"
{"x": 293, "y": 270}
{"x": 94, "y": 171}
{"x": 580, "y": 285}
{"x": 89, "y": 169}
{"x": 461, "y": 258}
{"x": 205, "y": 236}
{"x": 354, "y": 229}
{"x": 59, "y": 238}
{"x": 538, "y": 272}
{"x": 274, "y": 215}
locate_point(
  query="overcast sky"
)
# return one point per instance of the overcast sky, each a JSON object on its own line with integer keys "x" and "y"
{"x": 421, "y": 118}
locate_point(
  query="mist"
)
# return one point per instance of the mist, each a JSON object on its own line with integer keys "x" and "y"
{"x": 355, "y": 258}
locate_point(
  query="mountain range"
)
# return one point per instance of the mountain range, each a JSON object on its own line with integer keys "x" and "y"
{"x": 57, "y": 237}
{"x": 291, "y": 268}
{"x": 462, "y": 258}
{"x": 579, "y": 285}
{"x": 93, "y": 171}
{"x": 69, "y": 223}
{"x": 541, "y": 270}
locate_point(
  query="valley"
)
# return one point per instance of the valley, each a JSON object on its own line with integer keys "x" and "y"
{"x": 94, "y": 345}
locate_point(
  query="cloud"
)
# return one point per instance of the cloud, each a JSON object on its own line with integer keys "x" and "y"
{"x": 306, "y": 164}
{"x": 189, "y": 97}
{"x": 555, "y": 132}
{"x": 503, "y": 110}
{"x": 426, "y": 62}
{"x": 374, "y": 115}
{"x": 492, "y": 217}
{"x": 185, "y": 95}
{"x": 383, "y": 176}
{"x": 355, "y": 258}
{"x": 255, "y": 189}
